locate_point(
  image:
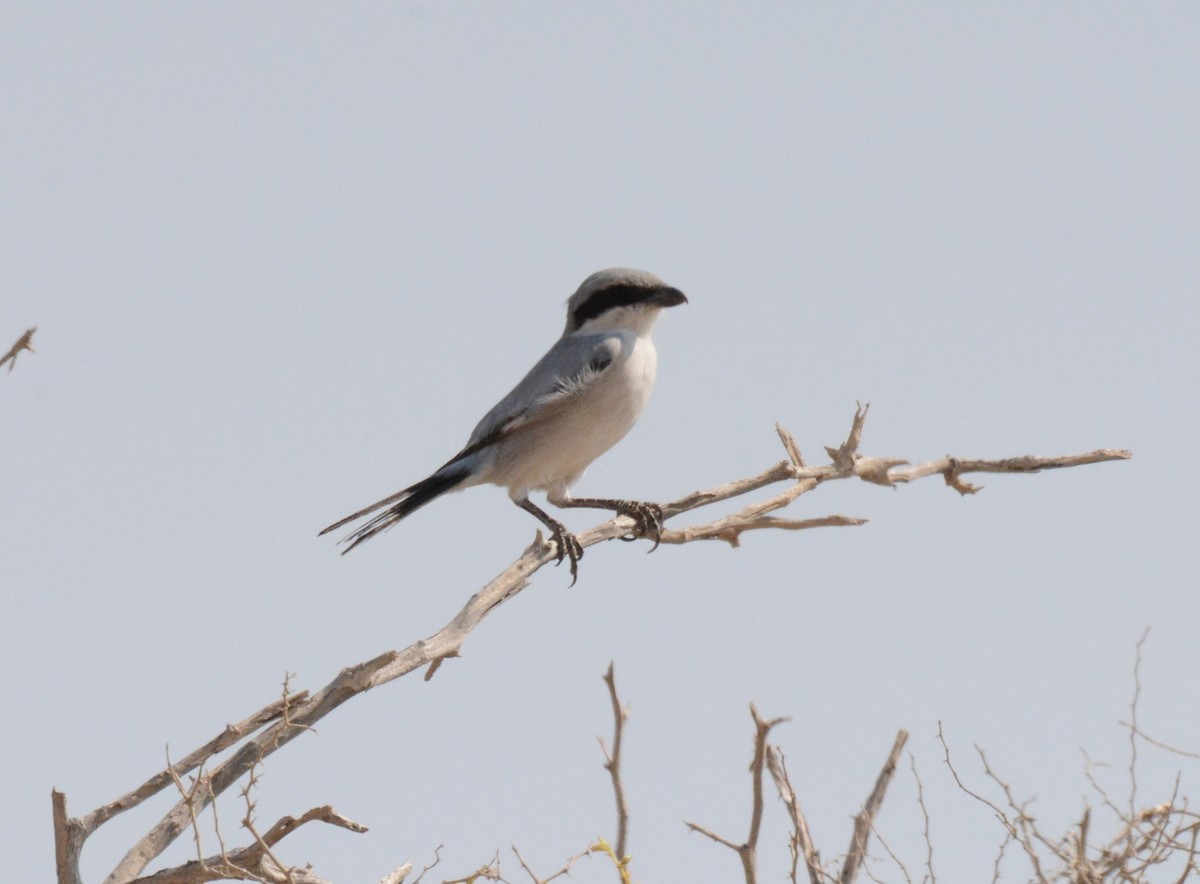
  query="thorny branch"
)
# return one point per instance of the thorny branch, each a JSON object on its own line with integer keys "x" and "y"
{"x": 565, "y": 870}
{"x": 747, "y": 851}
{"x": 912, "y": 759}
{"x": 1150, "y": 838}
{"x": 276, "y": 725}
{"x": 612, "y": 764}
{"x": 801, "y": 843}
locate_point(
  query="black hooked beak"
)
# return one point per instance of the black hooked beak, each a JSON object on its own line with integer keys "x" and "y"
{"x": 667, "y": 297}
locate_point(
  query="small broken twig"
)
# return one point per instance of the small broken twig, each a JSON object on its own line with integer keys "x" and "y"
{"x": 25, "y": 342}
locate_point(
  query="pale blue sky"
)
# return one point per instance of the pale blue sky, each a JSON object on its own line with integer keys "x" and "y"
{"x": 282, "y": 257}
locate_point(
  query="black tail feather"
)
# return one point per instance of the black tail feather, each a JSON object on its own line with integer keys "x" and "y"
{"x": 403, "y": 503}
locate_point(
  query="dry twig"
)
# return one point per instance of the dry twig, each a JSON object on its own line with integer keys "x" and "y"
{"x": 912, "y": 759}
{"x": 565, "y": 870}
{"x": 25, "y": 342}
{"x": 1146, "y": 840}
{"x": 748, "y": 850}
{"x": 612, "y": 764}
{"x": 437, "y": 858}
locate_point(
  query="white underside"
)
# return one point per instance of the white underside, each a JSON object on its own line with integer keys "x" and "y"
{"x": 553, "y": 455}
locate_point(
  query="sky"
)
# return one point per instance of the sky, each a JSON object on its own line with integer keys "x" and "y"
{"x": 282, "y": 257}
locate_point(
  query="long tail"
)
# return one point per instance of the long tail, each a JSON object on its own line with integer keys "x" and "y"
{"x": 404, "y": 502}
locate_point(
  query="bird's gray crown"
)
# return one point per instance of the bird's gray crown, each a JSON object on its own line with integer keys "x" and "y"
{"x": 616, "y": 287}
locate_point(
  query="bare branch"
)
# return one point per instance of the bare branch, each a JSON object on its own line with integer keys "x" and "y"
{"x": 1081, "y": 855}
{"x": 891, "y": 855}
{"x": 1000, "y": 815}
{"x": 1026, "y": 833}
{"x": 231, "y": 735}
{"x": 612, "y": 764}
{"x": 1174, "y": 750}
{"x": 1133, "y": 708}
{"x": 696, "y": 827}
{"x": 324, "y": 814}
{"x": 951, "y": 467}
{"x": 789, "y": 445}
{"x": 866, "y": 817}
{"x": 437, "y": 858}
{"x": 397, "y": 876}
{"x": 844, "y": 455}
{"x": 748, "y": 852}
{"x": 730, "y": 528}
{"x": 1147, "y": 839}
{"x": 912, "y": 760}
{"x": 69, "y": 835}
{"x": 255, "y": 863}
{"x": 189, "y": 796}
{"x": 1012, "y": 832}
{"x": 487, "y": 872}
{"x": 801, "y": 844}
{"x": 286, "y": 720}
{"x": 565, "y": 870}
{"x": 762, "y": 728}
{"x": 25, "y": 342}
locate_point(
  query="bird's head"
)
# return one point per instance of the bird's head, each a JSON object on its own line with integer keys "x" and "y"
{"x": 619, "y": 298}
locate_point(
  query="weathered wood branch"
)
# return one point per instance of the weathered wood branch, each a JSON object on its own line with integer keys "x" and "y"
{"x": 802, "y": 847}
{"x": 253, "y": 863}
{"x": 801, "y": 843}
{"x": 69, "y": 834}
{"x": 285, "y": 720}
{"x": 865, "y": 819}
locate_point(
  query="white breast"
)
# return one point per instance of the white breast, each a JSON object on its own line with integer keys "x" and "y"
{"x": 557, "y": 452}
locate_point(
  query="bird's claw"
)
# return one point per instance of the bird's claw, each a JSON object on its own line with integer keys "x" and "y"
{"x": 568, "y": 547}
{"x": 648, "y": 519}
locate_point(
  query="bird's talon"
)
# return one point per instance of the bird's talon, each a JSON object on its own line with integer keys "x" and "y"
{"x": 568, "y": 548}
{"x": 648, "y": 519}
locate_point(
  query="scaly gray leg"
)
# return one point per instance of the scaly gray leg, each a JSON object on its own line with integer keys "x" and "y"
{"x": 568, "y": 546}
{"x": 648, "y": 517}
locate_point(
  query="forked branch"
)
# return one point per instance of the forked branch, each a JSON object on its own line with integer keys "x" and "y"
{"x": 747, "y": 851}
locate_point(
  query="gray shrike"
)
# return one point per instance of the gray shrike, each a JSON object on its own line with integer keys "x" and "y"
{"x": 577, "y": 402}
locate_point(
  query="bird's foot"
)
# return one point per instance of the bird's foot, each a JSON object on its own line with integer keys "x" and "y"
{"x": 648, "y": 519}
{"x": 568, "y": 548}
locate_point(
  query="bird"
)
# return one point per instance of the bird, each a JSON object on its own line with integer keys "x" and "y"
{"x": 578, "y": 401}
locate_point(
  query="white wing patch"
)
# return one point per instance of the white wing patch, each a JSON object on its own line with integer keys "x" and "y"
{"x": 570, "y": 387}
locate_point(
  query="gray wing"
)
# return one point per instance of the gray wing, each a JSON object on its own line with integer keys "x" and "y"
{"x": 566, "y": 372}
